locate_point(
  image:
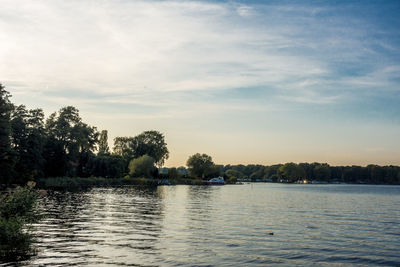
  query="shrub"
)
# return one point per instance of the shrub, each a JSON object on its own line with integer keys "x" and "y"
{"x": 142, "y": 167}
{"x": 17, "y": 212}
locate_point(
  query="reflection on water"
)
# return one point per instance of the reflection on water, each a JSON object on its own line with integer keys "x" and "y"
{"x": 226, "y": 225}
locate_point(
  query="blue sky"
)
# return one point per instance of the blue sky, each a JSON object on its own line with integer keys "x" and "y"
{"x": 243, "y": 81}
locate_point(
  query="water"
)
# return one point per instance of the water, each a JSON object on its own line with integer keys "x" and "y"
{"x": 232, "y": 225}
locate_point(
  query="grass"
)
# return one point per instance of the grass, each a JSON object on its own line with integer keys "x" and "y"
{"x": 79, "y": 183}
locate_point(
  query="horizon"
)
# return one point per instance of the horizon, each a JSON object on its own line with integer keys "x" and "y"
{"x": 259, "y": 82}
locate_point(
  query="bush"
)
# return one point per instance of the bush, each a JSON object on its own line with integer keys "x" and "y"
{"x": 17, "y": 212}
{"x": 142, "y": 167}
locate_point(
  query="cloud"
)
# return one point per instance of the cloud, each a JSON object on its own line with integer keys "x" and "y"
{"x": 159, "y": 53}
{"x": 244, "y": 10}
{"x": 264, "y": 72}
{"x": 125, "y": 47}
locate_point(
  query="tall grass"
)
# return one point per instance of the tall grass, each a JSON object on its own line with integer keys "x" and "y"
{"x": 78, "y": 183}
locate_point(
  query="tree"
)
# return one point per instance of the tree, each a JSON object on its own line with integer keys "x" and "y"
{"x": 122, "y": 148}
{"x": 213, "y": 171}
{"x": 6, "y": 156}
{"x": 271, "y": 172}
{"x": 142, "y": 166}
{"x": 149, "y": 143}
{"x": 322, "y": 172}
{"x": 258, "y": 174}
{"x": 173, "y": 173}
{"x": 103, "y": 143}
{"x": 234, "y": 174}
{"x": 70, "y": 140}
{"x": 27, "y": 141}
{"x": 108, "y": 166}
{"x": 292, "y": 172}
{"x": 199, "y": 165}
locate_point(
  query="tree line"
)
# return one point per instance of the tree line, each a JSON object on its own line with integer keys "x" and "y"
{"x": 33, "y": 147}
{"x": 323, "y": 172}
{"x": 203, "y": 166}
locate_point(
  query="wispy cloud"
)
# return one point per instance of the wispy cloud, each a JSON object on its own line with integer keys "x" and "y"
{"x": 151, "y": 47}
{"x": 160, "y": 60}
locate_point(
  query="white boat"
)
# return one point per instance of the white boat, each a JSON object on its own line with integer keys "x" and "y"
{"x": 216, "y": 181}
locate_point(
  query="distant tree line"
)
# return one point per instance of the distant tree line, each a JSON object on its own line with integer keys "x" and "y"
{"x": 292, "y": 172}
{"x": 33, "y": 147}
{"x": 202, "y": 166}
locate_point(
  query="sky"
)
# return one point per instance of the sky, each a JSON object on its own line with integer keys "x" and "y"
{"x": 250, "y": 82}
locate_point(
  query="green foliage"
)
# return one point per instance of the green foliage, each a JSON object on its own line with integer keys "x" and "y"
{"x": 7, "y": 159}
{"x": 122, "y": 148}
{"x": 173, "y": 173}
{"x": 142, "y": 166}
{"x": 201, "y": 166}
{"x": 103, "y": 143}
{"x": 149, "y": 143}
{"x": 17, "y": 211}
{"x": 322, "y": 172}
{"x": 234, "y": 174}
{"x": 56, "y": 159}
{"x": 27, "y": 141}
{"x": 106, "y": 165}
{"x": 69, "y": 139}
{"x": 253, "y": 172}
{"x": 213, "y": 171}
{"x": 292, "y": 172}
{"x": 65, "y": 146}
{"x": 79, "y": 183}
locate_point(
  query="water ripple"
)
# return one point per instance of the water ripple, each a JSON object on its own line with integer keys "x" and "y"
{"x": 245, "y": 225}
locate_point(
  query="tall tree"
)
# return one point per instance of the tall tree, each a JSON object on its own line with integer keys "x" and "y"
{"x": 6, "y": 155}
{"x": 122, "y": 148}
{"x": 103, "y": 143}
{"x": 27, "y": 141}
{"x": 200, "y": 165}
{"x": 71, "y": 139}
{"x": 151, "y": 143}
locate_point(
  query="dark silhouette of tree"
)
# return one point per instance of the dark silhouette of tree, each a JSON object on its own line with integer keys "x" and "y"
{"x": 69, "y": 139}
{"x": 28, "y": 139}
{"x": 103, "y": 143}
{"x": 151, "y": 143}
{"x": 7, "y": 159}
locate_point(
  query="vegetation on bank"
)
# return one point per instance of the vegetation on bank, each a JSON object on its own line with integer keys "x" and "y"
{"x": 79, "y": 183}
{"x": 292, "y": 172}
{"x": 33, "y": 148}
{"x": 18, "y": 212}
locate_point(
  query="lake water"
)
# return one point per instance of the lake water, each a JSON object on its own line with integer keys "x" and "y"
{"x": 232, "y": 225}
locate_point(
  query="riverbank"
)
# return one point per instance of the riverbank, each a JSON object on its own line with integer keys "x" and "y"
{"x": 78, "y": 183}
